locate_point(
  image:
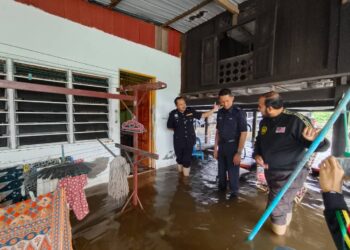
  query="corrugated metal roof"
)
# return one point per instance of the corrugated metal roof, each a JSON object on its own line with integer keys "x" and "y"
{"x": 162, "y": 11}
{"x": 202, "y": 15}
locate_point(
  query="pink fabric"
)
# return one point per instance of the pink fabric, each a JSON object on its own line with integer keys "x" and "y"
{"x": 74, "y": 187}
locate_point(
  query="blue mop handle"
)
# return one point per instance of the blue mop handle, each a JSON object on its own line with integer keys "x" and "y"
{"x": 301, "y": 164}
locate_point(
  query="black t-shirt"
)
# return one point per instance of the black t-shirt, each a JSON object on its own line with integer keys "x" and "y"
{"x": 280, "y": 141}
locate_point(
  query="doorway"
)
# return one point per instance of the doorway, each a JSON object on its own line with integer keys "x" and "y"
{"x": 146, "y": 102}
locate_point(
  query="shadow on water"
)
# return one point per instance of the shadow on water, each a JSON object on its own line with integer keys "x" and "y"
{"x": 189, "y": 213}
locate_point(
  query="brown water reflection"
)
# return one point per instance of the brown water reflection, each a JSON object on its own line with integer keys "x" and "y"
{"x": 191, "y": 214}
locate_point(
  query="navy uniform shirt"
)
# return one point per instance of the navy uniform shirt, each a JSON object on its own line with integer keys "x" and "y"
{"x": 182, "y": 123}
{"x": 280, "y": 141}
{"x": 230, "y": 123}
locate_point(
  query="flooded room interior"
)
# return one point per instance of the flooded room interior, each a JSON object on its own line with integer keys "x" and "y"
{"x": 179, "y": 124}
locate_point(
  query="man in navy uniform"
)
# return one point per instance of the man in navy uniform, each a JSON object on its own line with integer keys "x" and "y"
{"x": 231, "y": 134}
{"x": 181, "y": 121}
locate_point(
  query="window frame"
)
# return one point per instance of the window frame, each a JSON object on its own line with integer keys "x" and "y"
{"x": 70, "y": 123}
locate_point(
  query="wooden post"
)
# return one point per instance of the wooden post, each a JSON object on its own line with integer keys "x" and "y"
{"x": 135, "y": 167}
{"x": 255, "y": 118}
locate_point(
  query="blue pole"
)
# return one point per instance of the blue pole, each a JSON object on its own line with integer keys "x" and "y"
{"x": 301, "y": 164}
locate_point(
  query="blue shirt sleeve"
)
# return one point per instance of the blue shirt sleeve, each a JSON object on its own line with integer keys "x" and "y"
{"x": 242, "y": 121}
{"x": 170, "y": 123}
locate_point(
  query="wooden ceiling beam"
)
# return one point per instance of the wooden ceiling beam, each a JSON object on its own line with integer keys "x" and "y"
{"x": 228, "y": 5}
{"x": 114, "y": 3}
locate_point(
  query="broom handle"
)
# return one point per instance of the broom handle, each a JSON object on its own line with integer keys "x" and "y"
{"x": 110, "y": 151}
{"x": 301, "y": 164}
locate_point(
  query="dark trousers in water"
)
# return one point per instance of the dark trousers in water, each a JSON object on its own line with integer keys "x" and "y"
{"x": 276, "y": 179}
{"x": 225, "y": 164}
{"x": 183, "y": 152}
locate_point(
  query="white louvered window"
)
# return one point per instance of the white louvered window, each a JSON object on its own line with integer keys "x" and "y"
{"x": 40, "y": 117}
{"x": 4, "y": 126}
{"x": 90, "y": 114}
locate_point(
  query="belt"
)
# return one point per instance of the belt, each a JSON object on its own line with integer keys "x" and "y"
{"x": 222, "y": 140}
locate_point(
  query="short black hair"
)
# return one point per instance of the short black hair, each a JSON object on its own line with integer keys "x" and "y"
{"x": 179, "y": 98}
{"x": 223, "y": 92}
{"x": 273, "y": 99}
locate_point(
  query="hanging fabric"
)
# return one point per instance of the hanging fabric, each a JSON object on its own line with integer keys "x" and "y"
{"x": 11, "y": 182}
{"x": 74, "y": 188}
{"x": 40, "y": 224}
{"x": 118, "y": 186}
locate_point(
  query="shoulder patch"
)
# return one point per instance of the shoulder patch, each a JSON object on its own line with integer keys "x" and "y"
{"x": 300, "y": 116}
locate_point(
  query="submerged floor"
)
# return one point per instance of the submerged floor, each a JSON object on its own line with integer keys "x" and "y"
{"x": 190, "y": 214}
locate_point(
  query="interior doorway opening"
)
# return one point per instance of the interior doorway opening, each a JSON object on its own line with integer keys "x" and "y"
{"x": 145, "y": 104}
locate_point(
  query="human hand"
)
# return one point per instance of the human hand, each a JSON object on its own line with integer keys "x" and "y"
{"x": 216, "y": 107}
{"x": 237, "y": 159}
{"x": 260, "y": 161}
{"x": 310, "y": 133}
{"x": 331, "y": 175}
{"x": 215, "y": 154}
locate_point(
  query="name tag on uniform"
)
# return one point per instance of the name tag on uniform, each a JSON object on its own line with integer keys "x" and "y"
{"x": 280, "y": 130}
{"x": 190, "y": 114}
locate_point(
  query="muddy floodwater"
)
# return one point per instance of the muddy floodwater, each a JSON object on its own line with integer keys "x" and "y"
{"x": 191, "y": 214}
